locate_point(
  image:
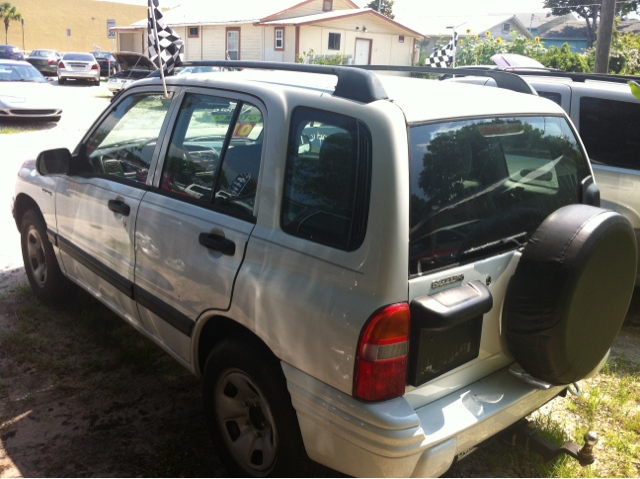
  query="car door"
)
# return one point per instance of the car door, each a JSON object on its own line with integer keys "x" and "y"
{"x": 97, "y": 204}
{"x": 194, "y": 223}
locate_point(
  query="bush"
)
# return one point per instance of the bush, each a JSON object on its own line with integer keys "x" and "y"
{"x": 563, "y": 59}
{"x": 624, "y": 58}
{"x": 322, "y": 59}
{"x": 478, "y": 49}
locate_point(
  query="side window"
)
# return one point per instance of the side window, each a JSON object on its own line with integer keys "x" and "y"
{"x": 122, "y": 146}
{"x": 609, "y": 129}
{"x": 553, "y": 96}
{"x": 326, "y": 191}
{"x": 216, "y": 145}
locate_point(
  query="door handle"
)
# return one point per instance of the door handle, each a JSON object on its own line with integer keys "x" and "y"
{"x": 218, "y": 243}
{"x": 118, "y": 206}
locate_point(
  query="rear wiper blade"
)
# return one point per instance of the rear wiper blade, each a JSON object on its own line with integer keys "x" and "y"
{"x": 517, "y": 240}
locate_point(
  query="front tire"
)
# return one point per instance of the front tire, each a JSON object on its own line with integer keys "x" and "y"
{"x": 249, "y": 413}
{"x": 40, "y": 262}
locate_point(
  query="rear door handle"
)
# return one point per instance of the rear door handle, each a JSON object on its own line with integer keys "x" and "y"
{"x": 218, "y": 243}
{"x": 118, "y": 206}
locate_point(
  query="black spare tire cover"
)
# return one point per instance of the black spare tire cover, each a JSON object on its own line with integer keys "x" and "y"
{"x": 570, "y": 293}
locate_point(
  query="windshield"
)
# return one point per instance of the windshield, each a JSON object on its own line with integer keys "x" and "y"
{"x": 21, "y": 73}
{"x": 81, "y": 57}
{"x": 101, "y": 54}
{"x": 483, "y": 186}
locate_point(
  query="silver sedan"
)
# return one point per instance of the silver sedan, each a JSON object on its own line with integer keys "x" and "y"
{"x": 78, "y": 66}
{"x": 24, "y": 93}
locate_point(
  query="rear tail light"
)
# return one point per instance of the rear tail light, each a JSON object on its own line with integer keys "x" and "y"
{"x": 381, "y": 364}
{"x": 51, "y": 62}
{"x": 94, "y": 66}
{"x": 61, "y": 65}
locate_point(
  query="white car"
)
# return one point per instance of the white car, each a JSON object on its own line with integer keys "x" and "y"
{"x": 133, "y": 67}
{"x": 328, "y": 323}
{"x": 25, "y": 93}
{"x": 607, "y": 115}
{"x": 78, "y": 66}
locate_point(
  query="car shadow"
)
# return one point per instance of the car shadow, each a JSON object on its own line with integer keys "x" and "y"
{"x": 23, "y": 125}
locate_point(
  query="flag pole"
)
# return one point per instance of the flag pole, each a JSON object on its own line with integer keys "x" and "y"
{"x": 155, "y": 30}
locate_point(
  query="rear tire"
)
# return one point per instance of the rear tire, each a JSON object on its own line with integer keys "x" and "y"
{"x": 61, "y": 81}
{"x": 249, "y": 413}
{"x": 40, "y": 262}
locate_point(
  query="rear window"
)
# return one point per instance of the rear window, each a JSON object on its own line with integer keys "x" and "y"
{"x": 40, "y": 53}
{"x": 482, "y": 186}
{"x": 609, "y": 130}
{"x": 80, "y": 57}
{"x": 101, "y": 54}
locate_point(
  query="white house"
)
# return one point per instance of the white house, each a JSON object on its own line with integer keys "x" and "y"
{"x": 282, "y": 30}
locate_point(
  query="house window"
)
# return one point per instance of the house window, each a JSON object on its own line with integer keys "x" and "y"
{"x": 334, "y": 41}
{"x": 327, "y": 5}
{"x": 233, "y": 44}
{"x": 279, "y": 45}
{"x": 194, "y": 32}
{"x": 506, "y": 28}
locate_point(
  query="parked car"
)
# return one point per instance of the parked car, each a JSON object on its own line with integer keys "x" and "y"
{"x": 45, "y": 61}
{"x": 78, "y": 66}
{"x": 133, "y": 67}
{"x": 302, "y": 279}
{"x": 108, "y": 64}
{"x": 606, "y": 114}
{"x": 25, "y": 93}
{"x": 9, "y": 52}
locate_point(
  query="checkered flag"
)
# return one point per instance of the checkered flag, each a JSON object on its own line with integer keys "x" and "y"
{"x": 170, "y": 44}
{"x": 444, "y": 57}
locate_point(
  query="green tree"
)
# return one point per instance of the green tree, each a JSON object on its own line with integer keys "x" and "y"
{"x": 590, "y": 11}
{"x": 385, "y": 7}
{"x": 563, "y": 59}
{"x": 8, "y": 13}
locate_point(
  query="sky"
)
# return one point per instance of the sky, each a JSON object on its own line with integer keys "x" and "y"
{"x": 431, "y": 8}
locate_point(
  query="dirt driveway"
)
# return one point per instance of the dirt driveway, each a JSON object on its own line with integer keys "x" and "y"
{"x": 81, "y": 393}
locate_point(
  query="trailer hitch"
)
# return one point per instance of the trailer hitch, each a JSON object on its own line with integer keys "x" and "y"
{"x": 526, "y": 434}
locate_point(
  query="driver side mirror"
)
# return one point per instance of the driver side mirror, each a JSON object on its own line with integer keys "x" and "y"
{"x": 305, "y": 145}
{"x": 54, "y": 162}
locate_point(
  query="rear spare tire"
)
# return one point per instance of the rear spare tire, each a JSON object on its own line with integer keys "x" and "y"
{"x": 570, "y": 293}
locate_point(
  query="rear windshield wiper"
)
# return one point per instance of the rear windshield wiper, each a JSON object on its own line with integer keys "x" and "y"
{"x": 516, "y": 240}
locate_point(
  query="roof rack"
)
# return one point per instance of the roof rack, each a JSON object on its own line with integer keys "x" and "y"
{"x": 505, "y": 80}
{"x": 357, "y": 82}
{"x": 581, "y": 77}
{"x": 358, "y": 85}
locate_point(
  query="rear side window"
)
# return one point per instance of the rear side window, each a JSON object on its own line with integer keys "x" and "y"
{"x": 553, "y": 96}
{"x": 609, "y": 130}
{"x": 481, "y": 187}
{"x": 326, "y": 190}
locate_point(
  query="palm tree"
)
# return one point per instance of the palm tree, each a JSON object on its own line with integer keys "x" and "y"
{"x": 8, "y": 12}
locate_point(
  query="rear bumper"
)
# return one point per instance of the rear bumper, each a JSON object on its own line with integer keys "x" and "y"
{"x": 48, "y": 69}
{"x": 78, "y": 75}
{"x": 391, "y": 439}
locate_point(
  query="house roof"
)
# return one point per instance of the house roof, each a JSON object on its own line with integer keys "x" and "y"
{"x": 196, "y": 12}
{"x": 578, "y": 30}
{"x": 338, "y": 14}
{"x": 437, "y": 26}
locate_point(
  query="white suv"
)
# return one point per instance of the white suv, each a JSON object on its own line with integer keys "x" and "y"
{"x": 374, "y": 274}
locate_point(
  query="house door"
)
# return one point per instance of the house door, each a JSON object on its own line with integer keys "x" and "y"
{"x": 363, "y": 51}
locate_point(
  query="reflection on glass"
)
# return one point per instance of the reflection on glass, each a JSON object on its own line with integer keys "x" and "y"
{"x": 123, "y": 144}
{"x": 483, "y": 186}
{"x": 320, "y": 184}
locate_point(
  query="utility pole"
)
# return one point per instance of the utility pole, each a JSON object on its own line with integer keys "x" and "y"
{"x": 605, "y": 33}
{"x": 379, "y": 6}
{"x": 22, "y": 34}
